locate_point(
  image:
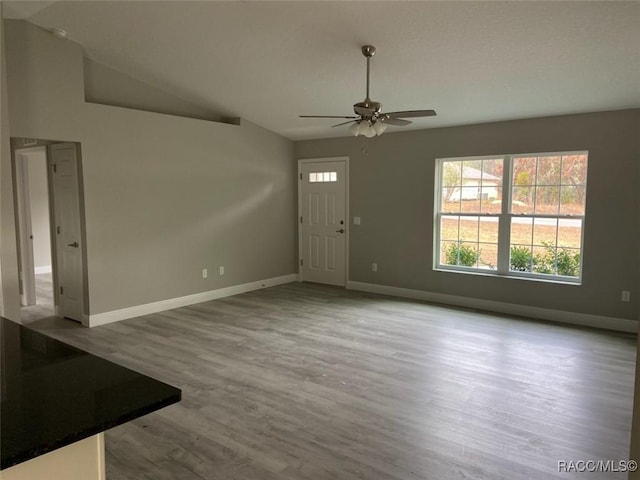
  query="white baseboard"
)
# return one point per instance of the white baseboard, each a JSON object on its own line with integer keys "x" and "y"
{"x": 584, "y": 319}
{"x": 139, "y": 310}
{"x": 44, "y": 269}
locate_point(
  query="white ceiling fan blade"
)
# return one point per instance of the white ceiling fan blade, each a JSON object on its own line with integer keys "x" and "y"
{"x": 395, "y": 121}
{"x": 412, "y": 114}
{"x": 327, "y": 116}
{"x": 343, "y": 123}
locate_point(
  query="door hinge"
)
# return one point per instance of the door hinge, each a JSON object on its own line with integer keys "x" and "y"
{"x": 55, "y": 169}
{"x": 300, "y": 219}
{"x": 61, "y": 290}
{"x": 58, "y": 229}
{"x": 301, "y": 262}
{"x": 301, "y": 176}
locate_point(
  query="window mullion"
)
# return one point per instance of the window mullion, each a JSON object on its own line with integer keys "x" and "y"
{"x": 504, "y": 225}
{"x": 438, "y": 236}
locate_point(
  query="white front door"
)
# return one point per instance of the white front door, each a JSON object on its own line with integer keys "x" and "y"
{"x": 66, "y": 204}
{"x": 323, "y": 221}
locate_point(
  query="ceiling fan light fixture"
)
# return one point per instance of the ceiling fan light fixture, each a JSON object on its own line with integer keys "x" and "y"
{"x": 379, "y": 128}
{"x": 355, "y": 128}
{"x": 368, "y": 130}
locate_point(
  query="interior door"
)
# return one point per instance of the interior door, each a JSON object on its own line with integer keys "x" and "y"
{"x": 323, "y": 222}
{"x": 66, "y": 204}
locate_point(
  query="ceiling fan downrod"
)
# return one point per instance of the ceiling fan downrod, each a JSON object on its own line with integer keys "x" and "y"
{"x": 368, "y": 108}
{"x": 368, "y": 51}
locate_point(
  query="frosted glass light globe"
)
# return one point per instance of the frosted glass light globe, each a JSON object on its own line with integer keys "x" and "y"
{"x": 379, "y": 128}
{"x": 369, "y": 131}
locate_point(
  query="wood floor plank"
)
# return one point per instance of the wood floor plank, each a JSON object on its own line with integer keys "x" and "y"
{"x": 309, "y": 382}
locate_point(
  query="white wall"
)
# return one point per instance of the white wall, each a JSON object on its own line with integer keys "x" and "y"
{"x": 107, "y": 86}
{"x": 164, "y": 196}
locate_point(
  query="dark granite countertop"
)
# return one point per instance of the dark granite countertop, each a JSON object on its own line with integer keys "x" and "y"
{"x": 52, "y": 394}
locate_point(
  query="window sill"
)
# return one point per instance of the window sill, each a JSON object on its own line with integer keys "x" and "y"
{"x": 509, "y": 276}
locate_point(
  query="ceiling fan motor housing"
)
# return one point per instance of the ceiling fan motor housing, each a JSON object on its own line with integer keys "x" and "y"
{"x": 368, "y": 108}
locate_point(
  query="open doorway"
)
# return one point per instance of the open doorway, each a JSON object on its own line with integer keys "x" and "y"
{"x": 49, "y": 220}
{"x": 34, "y": 245}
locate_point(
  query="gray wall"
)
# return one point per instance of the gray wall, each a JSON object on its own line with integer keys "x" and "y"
{"x": 9, "y": 286}
{"x": 165, "y": 196}
{"x": 109, "y": 87}
{"x": 392, "y": 190}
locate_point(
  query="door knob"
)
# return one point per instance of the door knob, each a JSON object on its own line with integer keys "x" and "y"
{"x": 340, "y": 231}
{"x": 74, "y": 244}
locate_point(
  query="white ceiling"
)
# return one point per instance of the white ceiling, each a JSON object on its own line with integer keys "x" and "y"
{"x": 269, "y": 62}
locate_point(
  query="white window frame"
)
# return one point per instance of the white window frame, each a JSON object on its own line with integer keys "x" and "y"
{"x": 504, "y": 221}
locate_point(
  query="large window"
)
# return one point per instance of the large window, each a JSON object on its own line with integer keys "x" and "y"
{"x": 517, "y": 215}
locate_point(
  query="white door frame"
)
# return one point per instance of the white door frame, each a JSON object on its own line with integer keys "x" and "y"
{"x": 301, "y": 162}
{"x": 57, "y": 246}
{"x": 25, "y": 233}
{"x": 21, "y": 179}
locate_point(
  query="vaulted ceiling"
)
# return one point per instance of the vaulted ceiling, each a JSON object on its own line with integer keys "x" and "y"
{"x": 269, "y": 62}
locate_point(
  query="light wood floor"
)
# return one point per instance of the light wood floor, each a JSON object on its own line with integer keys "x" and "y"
{"x": 44, "y": 300}
{"x": 309, "y": 382}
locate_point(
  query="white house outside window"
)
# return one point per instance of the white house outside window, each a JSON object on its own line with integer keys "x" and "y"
{"x": 516, "y": 215}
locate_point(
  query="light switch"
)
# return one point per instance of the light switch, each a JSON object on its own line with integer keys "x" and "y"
{"x": 356, "y": 220}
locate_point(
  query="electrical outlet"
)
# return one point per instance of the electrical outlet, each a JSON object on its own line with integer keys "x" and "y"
{"x": 626, "y": 296}
{"x": 221, "y": 270}
{"x": 374, "y": 267}
{"x": 204, "y": 273}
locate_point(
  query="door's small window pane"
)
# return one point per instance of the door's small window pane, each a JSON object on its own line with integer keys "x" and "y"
{"x": 323, "y": 177}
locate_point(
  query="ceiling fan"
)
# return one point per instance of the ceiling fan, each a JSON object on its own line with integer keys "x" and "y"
{"x": 369, "y": 119}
